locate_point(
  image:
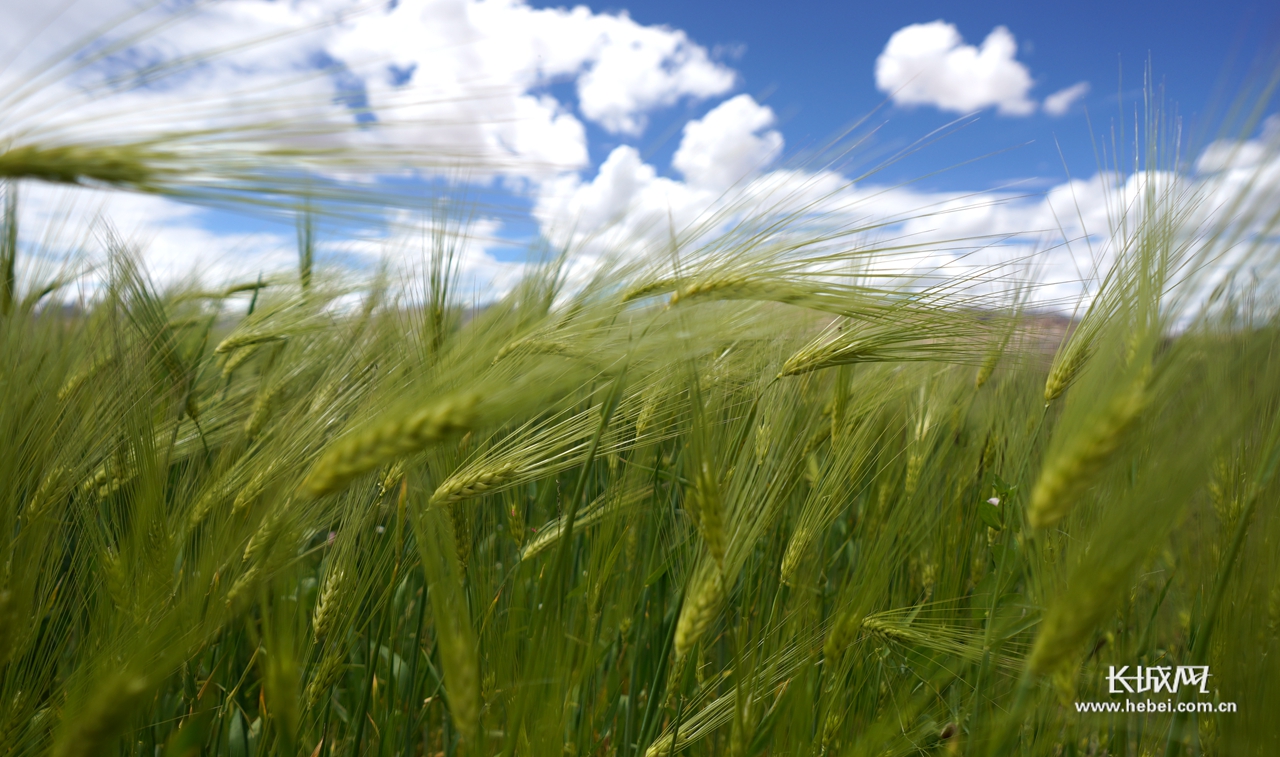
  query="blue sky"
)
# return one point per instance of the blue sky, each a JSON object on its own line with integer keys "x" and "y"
{"x": 813, "y": 61}
{"x": 601, "y": 126}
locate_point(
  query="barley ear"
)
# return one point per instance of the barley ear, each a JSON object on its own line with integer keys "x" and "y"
{"x": 326, "y": 611}
{"x": 240, "y": 595}
{"x": 47, "y": 492}
{"x": 915, "y": 466}
{"x": 987, "y": 369}
{"x": 105, "y": 717}
{"x": 252, "y": 489}
{"x": 364, "y": 451}
{"x": 1071, "y": 620}
{"x": 832, "y": 727}
{"x": 1067, "y": 365}
{"x": 701, "y": 608}
{"x": 472, "y": 484}
{"x": 237, "y": 359}
{"x": 264, "y": 405}
{"x": 797, "y": 547}
{"x": 1070, "y": 472}
{"x": 710, "y": 513}
{"x": 328, "y": 672}
{"x": 844, "y": 631}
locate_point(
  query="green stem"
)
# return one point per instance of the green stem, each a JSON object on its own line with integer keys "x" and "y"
{"x": 413, "y": 667}
{"x": 373, "y": 647}
{"x": 566, "y": 539}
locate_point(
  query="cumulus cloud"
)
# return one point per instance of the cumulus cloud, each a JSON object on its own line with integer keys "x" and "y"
{"x": 1242, "y": 155}
{"x": 637, "y": 69}
{"x": 464, "y": 82}
{"x": 1060, "y": 102}
{"x": 627, "y": 206}
{"x": 1244, "y": 175}
{"x": 728, "y": 144}
{"x": 930, "y": 64}
{"x": 622, "y": 70}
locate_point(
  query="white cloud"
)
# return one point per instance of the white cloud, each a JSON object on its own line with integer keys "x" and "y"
{"x": 622, "y": 209}
{"x": 500, "y": 48}
{"x": 65, "y": 229}
{"x": 403, "y": 248}
{"x": 727, "y": 144}
{"x": 929, "y": 64}
{"x": 67, "y": 226}
{"x": 1244, "y": 176}
{"x": 1060, "y": 102}
{"x": 458, "y": 83}
{"x": 1242, "y": 155}
{"x": 639, "y": 68}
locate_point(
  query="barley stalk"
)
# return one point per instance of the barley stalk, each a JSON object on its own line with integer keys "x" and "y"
{"x": 744, "y": 726}
{"x": 458, "y": 646}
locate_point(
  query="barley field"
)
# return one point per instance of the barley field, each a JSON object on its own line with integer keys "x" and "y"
{"x": 774, "y": 490}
